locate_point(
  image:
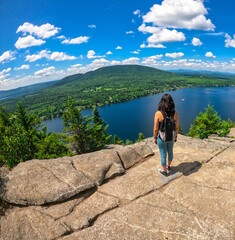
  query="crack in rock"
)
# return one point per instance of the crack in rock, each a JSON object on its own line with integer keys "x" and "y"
{"x": 54, "y": 175}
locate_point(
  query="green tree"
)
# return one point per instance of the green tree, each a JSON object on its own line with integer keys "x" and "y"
{"x": 99, "y": 129}
{"x": 52, "y": 146}
{"x": 14, "y": 141}
{"x": 209, "y": 123}
{"x": 225, "y": 128}
{"x": 128, "y": 142}
{"x": 117, "y": 140}
{"x": 78, "y": 128}
{"x": 140, "y": 138}
{"x": 31, "y": 125}
{"x": 22, "y": 139}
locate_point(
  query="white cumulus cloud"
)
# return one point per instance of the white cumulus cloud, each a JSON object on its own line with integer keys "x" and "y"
{"x": 147, "y": 29}
{"x": 74, "y": 68}
{"x": 25, "y": 66}
{"x": 196, "y": 42}
{"x": 35, "y": 57}
{"x": 151, "y": 45}
{"x": 135, "y": 52}
{"x": 166, "y": 35}
{"x": 152, "y": 59}
{"x": 114, "y": 62}
{"x": 187, "y": 14}
{"x": 136, "y": 12}
{"x": 4, "y": 71}
{"x": 210, "y": 55}
{"x": 91, "y": 54}
{"x": 60, "y": 56}
{"x": 45, "y": 71}
{"x": 44, "y": 31}
{"x": 61, "y": 37}
{"x": 92, "y": 26}
{"x": 118, "y": 47}
{"x": 155, "y": 57}
{"x": 78, "y": 40}
{"x": 230, "y": 42}
{"x": 97, "y": 63}
{"x": 100, "y": 61}
{"x": 130, "y": 32}
{"x": 174, "y": 55}
{"x": 109, "y": 53}
{"x": 29, "y": 41}
{"x": 132, "y": 60}
{"x": 7, "y": 56}
{"x": 56, "y": 56}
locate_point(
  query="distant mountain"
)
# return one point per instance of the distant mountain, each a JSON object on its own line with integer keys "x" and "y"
{"x": 23, "y": 90}
{"x": 215, "y": 74}
{"x": 107, "y": 85}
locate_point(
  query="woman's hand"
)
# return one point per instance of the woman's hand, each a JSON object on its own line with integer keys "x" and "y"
{"x": 155, "y": 140}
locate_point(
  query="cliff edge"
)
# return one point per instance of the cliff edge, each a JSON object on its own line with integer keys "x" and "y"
{"x": 118, "y": 194}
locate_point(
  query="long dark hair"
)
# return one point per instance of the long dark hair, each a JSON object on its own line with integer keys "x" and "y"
{"x": 166, "y": 104}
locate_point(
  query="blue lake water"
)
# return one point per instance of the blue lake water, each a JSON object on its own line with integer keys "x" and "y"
{"x": 130, "y": 118}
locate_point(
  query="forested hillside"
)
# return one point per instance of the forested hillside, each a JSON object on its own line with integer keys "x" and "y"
{"x": 108, "y": 85}
{"x": 24, "y": 90}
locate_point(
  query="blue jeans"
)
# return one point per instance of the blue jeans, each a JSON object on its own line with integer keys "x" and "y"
{"x": 164, "y": 148}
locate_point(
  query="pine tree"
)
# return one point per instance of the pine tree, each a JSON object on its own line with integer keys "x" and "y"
{"x": 31, "y": 125}
{"x": 128, "y": 142}
{"x": 14, "y": 142}
{"x": 22, "y": 139}
{"x": 100, "y": 136}
{"x": 117, "y": 140}
{"x": 209, "y": 123}
{"x": 140, "y": 138}
{"x": 4, "y": 117}
{"x": 78, "y": 128}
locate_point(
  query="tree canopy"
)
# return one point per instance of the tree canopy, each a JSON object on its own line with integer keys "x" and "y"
{"x": 208, "y": 123}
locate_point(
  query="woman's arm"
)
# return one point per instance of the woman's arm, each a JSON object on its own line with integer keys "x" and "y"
{"x": 156, "y": 125}
{"x": 176, "y": 117}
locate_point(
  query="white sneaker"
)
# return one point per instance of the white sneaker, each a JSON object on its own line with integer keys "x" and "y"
{"x": 162, "y": 172}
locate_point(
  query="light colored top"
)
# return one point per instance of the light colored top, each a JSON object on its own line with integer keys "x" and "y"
{"x": 159, "y": 118}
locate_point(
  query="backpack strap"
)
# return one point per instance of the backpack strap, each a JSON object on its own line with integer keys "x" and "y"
{"x": 164, "y": 115}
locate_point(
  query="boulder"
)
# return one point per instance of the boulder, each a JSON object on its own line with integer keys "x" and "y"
{"x": 129, "y": 156}
{"x": 99, "y": 166}
{"x": 27, "y": 223}
{"x": 143, "y": 149}
{"x": 150, "y": 142}
{"x": 38, "y": 182}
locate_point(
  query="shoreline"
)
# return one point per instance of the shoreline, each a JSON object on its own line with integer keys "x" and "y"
{"x": 103, "y": 105}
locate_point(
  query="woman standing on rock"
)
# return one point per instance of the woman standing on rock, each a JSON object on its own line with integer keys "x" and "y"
{"x": 166, "y": 125}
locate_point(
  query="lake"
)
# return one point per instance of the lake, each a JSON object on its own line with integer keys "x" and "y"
{"x": 130, "y": 118}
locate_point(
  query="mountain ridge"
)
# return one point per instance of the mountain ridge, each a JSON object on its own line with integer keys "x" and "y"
{"x": 111, "y": 84}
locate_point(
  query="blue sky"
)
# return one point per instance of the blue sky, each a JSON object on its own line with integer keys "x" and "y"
{"x": 49, "y": 39}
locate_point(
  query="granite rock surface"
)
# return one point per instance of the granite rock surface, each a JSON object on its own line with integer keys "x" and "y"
{"x": 118, "y": 194}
